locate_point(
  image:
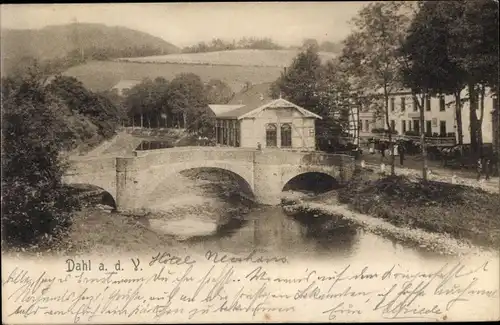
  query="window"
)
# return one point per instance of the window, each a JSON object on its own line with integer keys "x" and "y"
{"x": 367, "y": 125}
{"x": 427, "y": 103}
{"x": 230, "y": 134}
{"x": 442, "y": 128}
{"x": 403, "y": 104}
{"x": 286, "y": 135}
{"x": 392, "y": 103}
{"x": 271, "y": 133}
{"x": 442, "y": 105}
{"x": 415, "y": 105}
{"x": 393, "y": 125}
{"x": 403, "y": 127}
{"x": 409, "y": 125}
{"x": 237, "y": 130}
{"x": 224, "y": 132}
{"x": 428, "y": 127}
{"x": 416, "y": 126}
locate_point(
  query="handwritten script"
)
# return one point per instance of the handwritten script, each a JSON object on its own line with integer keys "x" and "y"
{"x": 165, "y": 287}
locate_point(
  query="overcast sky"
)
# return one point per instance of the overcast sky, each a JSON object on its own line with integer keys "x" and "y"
{"x": 187, "y": 23}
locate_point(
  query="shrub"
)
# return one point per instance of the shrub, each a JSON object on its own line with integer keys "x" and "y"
{"x": 35, "y": 204}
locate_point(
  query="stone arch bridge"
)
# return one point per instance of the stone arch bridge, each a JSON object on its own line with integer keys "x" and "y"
{"x": 266, "y": 172}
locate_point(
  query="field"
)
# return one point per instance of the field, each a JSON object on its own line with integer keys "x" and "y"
{"x": 103, "y": 75}
{"x": 256, "y": 58}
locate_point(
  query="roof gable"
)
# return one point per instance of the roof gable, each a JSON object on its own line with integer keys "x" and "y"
{"x": 253, "y": 110}
{"x": 279, "y": 103}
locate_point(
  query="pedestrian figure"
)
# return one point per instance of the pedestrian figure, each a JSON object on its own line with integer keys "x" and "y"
{"x": 401, "y": 154}
{"x": 487, "y": 167}
{"x": 454, "y": 179}
{"x": 479, "y": 168}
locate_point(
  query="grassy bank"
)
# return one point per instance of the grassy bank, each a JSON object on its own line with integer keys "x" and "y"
{"x": 462, "y": 212}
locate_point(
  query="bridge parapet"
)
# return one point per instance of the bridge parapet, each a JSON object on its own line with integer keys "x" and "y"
{"x": 91, "y": 165}
{"x": 190, "y": 154}
{"x": 278, "y": 157}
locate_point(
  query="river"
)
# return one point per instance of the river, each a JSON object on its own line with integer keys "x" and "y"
{"x": 206, "y": 214}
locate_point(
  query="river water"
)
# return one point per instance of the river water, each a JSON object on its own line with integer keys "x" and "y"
{"x": 270, "y": 229}
{"x": 201, "y": 221}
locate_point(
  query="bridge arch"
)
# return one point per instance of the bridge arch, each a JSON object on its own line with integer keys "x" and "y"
{"x": 311, "y": 181}
{"x": 85, "y": 190}
{"x": 150, "y": 180}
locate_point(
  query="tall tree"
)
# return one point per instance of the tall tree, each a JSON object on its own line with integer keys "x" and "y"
{"x": 374, "y": 46}
{"x": 426, "y": 67}
{"x": 35, "y": 204}
{"x": 300, "y": 82}
{"x": 473, "y": 47}
{"x": 187, "y": 95}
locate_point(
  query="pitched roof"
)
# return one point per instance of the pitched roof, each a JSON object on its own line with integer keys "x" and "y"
{"x": 221, "y": 109}
{"x": 252, "y": 95}
{"x": 252, "y": 101}
{"x": 243, "y": 111}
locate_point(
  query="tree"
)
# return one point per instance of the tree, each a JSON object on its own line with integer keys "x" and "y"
{"x": 473, "y": 47}
{"x": 187, "y": 95}
{"x": 300, "y": 82}
{"x": 35, "y": 204}
{"x": 425, "y": 65}
{"x": 321, "y": 89}
{"x": 218, "y": 92}
{"x": 97, "y": 108}
{"x": 372, "y": 51}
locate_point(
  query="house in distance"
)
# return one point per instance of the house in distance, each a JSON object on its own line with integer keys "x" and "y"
{"x": 260, "y": 122}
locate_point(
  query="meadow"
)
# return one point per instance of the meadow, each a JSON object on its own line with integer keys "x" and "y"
{"x": 242, "y": 57}
{"x": 103, "y": 75}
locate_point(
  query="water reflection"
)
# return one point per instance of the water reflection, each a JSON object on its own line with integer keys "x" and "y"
{"x": 271, "y": 229}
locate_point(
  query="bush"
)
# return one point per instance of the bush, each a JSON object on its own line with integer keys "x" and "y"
{"x": 35, "y": 204}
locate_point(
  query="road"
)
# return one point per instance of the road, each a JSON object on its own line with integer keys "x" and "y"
{"x": 413, "y": 165}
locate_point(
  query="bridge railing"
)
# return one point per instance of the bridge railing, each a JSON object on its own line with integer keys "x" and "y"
{"x": 189, "y": 154}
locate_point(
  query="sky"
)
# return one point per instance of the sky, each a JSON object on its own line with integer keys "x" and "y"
{"x": 185, "y": 24}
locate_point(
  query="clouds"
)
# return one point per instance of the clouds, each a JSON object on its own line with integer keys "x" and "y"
{"x": 187, "y": 23}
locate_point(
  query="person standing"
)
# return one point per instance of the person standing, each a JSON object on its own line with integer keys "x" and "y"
{"x": 382, "y": 150}
{"x": 401, "y": 149}
{"x": 479, "y": 168}
{"x": 487, "y": 167}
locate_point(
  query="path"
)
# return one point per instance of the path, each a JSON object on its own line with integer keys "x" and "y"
{"x": 413, "y": 167}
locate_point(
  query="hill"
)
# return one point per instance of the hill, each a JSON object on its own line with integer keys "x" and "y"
{"x": 103, "y": 75}
{"x": 53, "y": 42}
{"x": 243, "y": 57}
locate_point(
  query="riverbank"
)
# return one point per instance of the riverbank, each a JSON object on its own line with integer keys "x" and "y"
{"x": 448, "y": 218}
